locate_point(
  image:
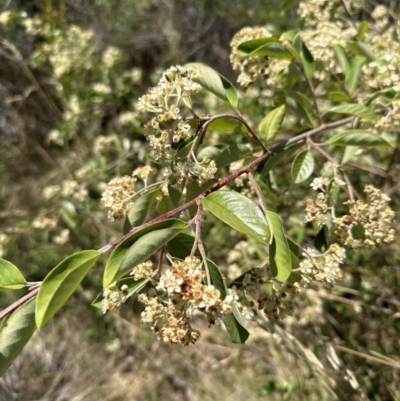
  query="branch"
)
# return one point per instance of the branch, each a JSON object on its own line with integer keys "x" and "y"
{"x": 224, "y": 181}
{"x": 18, "y": 303}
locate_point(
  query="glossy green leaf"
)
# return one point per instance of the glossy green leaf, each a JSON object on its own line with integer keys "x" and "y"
{"x": 10, "y": 277}
{"x": 61, "y": 282}
{"x": 139, "y": 247}
{"x": 355, "y": 110}
{"x": 351, "y": 81}
{"x": 249, "y": 46}
{"x": 215, "y": 83}
{"x": 237, "y": 333}
{"x": 307, "y": 60}
{"x": 279, "y": 252}
{"x": 140, "y": 209}
{"x": 181, "y": 246}
{"x": 133, "y": 288}
{"x": 15, "y": 334}
{"x": 231, "y": 154}
{"x": 271, "y": 123}
{"x": 239, "y": 212}
{"x": 358, "y": 137}
{"x": 303, "y": 166}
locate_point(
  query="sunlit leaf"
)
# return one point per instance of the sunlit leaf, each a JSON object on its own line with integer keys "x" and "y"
{"x": 215, "y": 83}
{"x": 239, "y": 212}
{"x": 10, "y": 277}
{"x": 354, "y": 73}
{"x": 271, "y": 123}
{"x": 61, "y": 282}
{"x": 342, "y": 59}
{"x": 279, "y": 252}
{"x": 358, "y": 137}
{"x": 354, "y": 110}
{"x": 226, "y": 124}
{"x": 303, "y": 166}
{"x": 15, "y": 334}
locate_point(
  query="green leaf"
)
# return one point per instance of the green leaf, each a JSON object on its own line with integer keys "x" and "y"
{"x": 271, "y": 123}
{"x": 236, "y": 331}
{"x": 355, "y": 110}
{"x": 306, "y": 58}
{"x": 358, "y": 137}
{"x": 181, "y": 246}
{"x": 15, "y": 334}
{"x": 140, "y": 209}
{"x": 275, "y": 158}
{"x": 133, "y": 288}
{"x": 208, "y": 151}
{"x": 139, "y": 247}
{"x": 354, "y": 73}
{"x": 174, "y": 195}
{"x": 239, "y": 212}
{"x": 186, "y": 145}
{"x": 216, "y": 278}
{"x": 10, "y": 277}
{"x": 338, "y": 97}
{"x": 320, "y": 240}
{"x": 362, "y": 29}
{"x": 342, "y": 59}
{"x": 231, "y": 154}
{"x": 279, "y": 252}
{"x": 303, "y": 166}
{"x": 226, "y": 124}
{"x": 270, "y": 47}
{"x": 61, "y": 282}
{"x": 215, "y": 83}
{"x": 300, "y": 111}
{"x": 360, "y": 49}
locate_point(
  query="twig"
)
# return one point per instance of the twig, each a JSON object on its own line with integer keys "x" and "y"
{"x": 18, "y": 303}
{"x": 257, "y": 190}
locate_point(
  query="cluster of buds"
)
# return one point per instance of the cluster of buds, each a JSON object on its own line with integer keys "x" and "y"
{"x": 117, "y": 198}
{"x": 322, "y": 267}
{"x": 375, "y": 217}
{"x": 170, "y": 306}
{"x": 175, "y": 85}
{"x": 113, "y": 298}
{"x": 265, "y": 294}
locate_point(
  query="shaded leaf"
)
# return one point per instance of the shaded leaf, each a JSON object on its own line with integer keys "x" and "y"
{"x": 342, "y": 59}
{"x": 15, "y": 333}
{"x": 268, "y": 193}
{"x": 239, "y": 212}
{"x": 231, "y": 154}
{"x": 354, "y": 73}
{"x": 61, "y": 282}
{"x": 215, "y": 83}
{"x": 270, "y": 47}
{"x": 279, "y": 252}
{"x": 358, "y": 137}
{"x": 174, "y": 195}
{"x": 338, "y": 97}
{"x": 139, "y": 247}
{"x": 140, "y": 209}
{"x": 271, "y": 123}
{"x": 10, "y": 277}
{"x": 320, "y": 240}
{"x": 236, "y": 331}
{"x": 303, "y": 166}
{"x": 181, "y": 246}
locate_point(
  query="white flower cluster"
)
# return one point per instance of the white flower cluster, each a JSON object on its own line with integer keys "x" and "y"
{"x": 179, "y": 293}
{"x": 113, "y": 298}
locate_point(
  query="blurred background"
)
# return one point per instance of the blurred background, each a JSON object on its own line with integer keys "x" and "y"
{"x": 71, "y": 72}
